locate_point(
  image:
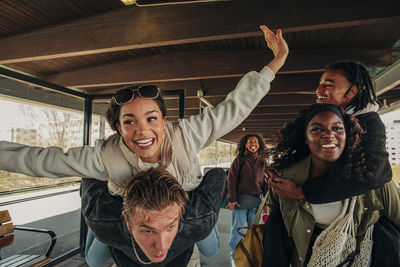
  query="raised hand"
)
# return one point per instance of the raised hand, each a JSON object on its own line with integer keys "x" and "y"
{"x": 278, "y": 46}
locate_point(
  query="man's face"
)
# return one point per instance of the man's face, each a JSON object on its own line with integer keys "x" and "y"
{"x": 333, "y": 87}
{"x": 155, "y": 230}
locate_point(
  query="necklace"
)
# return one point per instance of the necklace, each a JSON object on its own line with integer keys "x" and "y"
{"x": 136, "y": 254}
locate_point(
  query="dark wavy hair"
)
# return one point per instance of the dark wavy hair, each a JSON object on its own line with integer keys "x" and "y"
{"x": 113, "y": 111}
{"x": 292, "y": 148}
{"x": 241, "y": 148}
{"x": 356, "y": 74}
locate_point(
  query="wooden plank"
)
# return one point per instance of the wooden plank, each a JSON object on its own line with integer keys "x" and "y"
{"x": 4, "y": 216}
{"x": 6, "y": 229}
{"x": 182, "y": 66}
{"x": 133, "y": 28}
{"x": 6, "y": 241}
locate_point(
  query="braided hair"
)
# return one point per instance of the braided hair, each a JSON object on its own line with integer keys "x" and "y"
{"x": 357, "y": 74}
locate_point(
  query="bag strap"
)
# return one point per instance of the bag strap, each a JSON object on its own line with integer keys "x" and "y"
{"x": 241, "y": 163}
{"x": 260, "y": 209}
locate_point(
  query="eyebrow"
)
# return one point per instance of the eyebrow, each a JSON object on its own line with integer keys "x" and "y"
{"x": 145, "y": 114}
{"x": 317, "y": 123}
{"x": 149, "y": 227}
{"x": 327, "y": 80}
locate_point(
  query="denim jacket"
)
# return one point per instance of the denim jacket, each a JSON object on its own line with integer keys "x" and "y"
{"x": 103, "y": 214}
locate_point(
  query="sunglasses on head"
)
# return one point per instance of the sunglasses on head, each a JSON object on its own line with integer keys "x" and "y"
{"x": 126, "y": 95}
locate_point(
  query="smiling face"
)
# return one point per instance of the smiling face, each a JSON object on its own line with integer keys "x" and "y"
{"x": 155, "y": 230}
{"x": 333, "y": 87}
{"x": 326, "y": 138}
{"x": 252, "y": 144}
{"x": 141, "y": 126}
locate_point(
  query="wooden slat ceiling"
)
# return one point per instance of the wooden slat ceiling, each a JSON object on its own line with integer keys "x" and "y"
{"x": 99, "y": 46}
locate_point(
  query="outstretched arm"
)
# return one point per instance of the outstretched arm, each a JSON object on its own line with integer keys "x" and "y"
{"x": 52, "y": 162}
{"x": 205, "y": 128}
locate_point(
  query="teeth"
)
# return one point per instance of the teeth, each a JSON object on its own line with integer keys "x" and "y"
{"x": 321, "y": 97}
{"x": 145, "y": 142}
{"x": 328, "y": 145}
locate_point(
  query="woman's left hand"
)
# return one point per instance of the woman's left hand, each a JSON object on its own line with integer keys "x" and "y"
{"x": 278, "y": 45}
{"x": 285, "y": 188}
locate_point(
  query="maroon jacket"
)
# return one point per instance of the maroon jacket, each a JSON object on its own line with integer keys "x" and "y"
{"x": 251, "y": 179}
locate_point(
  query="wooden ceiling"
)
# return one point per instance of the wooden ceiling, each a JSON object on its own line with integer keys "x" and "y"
{"x": 99, "y": 46}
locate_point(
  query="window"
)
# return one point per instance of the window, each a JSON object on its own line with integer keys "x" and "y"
{"x": 37, "y": 120}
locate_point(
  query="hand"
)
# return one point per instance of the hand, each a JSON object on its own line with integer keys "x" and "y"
{"x": 267, "y": 209}
{"x": 285, "y": 188}
{"x": 231, "y": 205}
{"x": 278, "y": 46}
{"x": 271, "y": 173}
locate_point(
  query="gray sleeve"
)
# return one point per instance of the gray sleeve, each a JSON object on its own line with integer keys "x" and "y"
{"x": 52, "y": 162}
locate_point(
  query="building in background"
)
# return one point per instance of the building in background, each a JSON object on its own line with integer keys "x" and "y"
{"x": 393, "y": 141}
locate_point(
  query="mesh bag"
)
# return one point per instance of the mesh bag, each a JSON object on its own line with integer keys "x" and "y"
{"x": 337, "y": 243}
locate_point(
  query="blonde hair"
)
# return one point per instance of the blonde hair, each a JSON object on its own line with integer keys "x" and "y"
{"x": 153, "y": 189}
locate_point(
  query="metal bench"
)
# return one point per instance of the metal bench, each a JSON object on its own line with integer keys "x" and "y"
{"x": 7, "y": 238}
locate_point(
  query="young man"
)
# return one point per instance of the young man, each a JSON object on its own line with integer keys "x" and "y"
{"x": 159, "y": 223}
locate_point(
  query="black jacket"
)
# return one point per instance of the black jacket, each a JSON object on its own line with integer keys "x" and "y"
{"x": 103, "y": 215}
{"x": 333, "y": 187}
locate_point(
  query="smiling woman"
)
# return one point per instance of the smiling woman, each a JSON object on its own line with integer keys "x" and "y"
{"x": 325, "y": 139}
{"x": 144, "y": 138}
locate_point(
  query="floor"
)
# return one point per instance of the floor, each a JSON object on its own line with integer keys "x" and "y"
{"x": 79, "y": 261}
{"x": 221, "y": 259}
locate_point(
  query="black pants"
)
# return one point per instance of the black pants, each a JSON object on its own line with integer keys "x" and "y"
{"x": 386, "y": 248}
{"x": 278, "y": 246}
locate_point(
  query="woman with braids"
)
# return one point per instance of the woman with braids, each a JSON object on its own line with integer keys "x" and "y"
{"x": 347, "y": 84}
{"x": 246, "y": 185}
{"x": 324, "y": 139}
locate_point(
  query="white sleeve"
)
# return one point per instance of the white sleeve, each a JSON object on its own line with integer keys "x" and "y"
{"x": 213, "y": 123}
{"x": 52, "y": 161}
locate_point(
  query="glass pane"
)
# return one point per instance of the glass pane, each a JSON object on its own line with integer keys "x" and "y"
{"x": 45, "y": 203}
{"x": 100, "y": 127}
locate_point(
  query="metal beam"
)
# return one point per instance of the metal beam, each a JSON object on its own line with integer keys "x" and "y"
{"x": 387, "y": 79}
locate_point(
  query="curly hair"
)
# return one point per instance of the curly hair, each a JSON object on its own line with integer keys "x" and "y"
{"x": 241, "y": 148}
{"x": 356, "y": 74}
{"x": 113, "y": 110}
{"x": 153, "y": 189}
{"x": 292, "y": 148}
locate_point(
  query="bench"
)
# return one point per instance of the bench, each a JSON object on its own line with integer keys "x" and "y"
{"x": 7, "y": 238}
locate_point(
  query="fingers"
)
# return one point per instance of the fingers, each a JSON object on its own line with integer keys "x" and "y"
{"x": 268, "y": 34}
{"x": 279, "y": 180}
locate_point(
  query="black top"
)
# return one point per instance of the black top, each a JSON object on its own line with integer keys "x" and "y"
{"x": 103, "y": 214}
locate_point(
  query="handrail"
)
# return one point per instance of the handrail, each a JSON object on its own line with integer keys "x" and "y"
{"x": 52, "y": 235}
{"x": 37, "y": 197}
{"x": 36, "y": 188}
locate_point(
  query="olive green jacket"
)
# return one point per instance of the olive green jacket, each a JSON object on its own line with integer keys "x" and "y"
{"x": 298, "y": 217}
